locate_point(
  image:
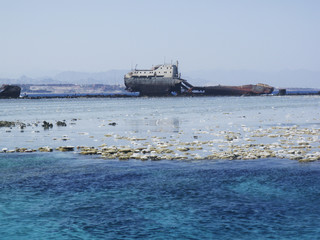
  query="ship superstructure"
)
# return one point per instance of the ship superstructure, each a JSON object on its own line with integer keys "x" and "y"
{"x": 160, "y": 71}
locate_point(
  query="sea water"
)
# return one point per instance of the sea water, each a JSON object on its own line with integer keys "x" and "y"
{"x": 171, "y": 118}
{"x": 70, "y": 196}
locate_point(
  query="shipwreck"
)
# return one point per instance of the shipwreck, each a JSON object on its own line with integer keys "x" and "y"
{"x": 165, "y": 79}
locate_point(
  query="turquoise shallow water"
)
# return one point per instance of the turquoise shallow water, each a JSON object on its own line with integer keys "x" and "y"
{"x": 67, "y": 196}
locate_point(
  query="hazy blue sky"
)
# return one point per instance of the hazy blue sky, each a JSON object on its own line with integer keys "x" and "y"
{"x": 39, "y": 36}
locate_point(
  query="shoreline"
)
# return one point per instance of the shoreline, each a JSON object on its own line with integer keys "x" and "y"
{"x": 169, "y": 96}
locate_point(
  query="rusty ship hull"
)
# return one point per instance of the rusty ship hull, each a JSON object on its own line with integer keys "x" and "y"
{"x": 244, "y": 90}
{"x": 10, "y": 91}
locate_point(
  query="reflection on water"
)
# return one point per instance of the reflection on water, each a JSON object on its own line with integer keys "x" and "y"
{"x": 165, "y": 125}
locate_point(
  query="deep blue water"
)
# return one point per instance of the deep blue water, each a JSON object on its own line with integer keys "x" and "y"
{"x": 67, "y": 196}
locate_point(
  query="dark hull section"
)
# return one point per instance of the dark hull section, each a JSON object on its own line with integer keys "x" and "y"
{"x": 153, "y": 86}
{"x": 235, "y": 90}
{"x": 10, "y": 91}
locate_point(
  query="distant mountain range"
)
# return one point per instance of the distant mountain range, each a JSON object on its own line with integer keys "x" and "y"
{"x": 112, "y": 77}
{"x": 281, "y": 79}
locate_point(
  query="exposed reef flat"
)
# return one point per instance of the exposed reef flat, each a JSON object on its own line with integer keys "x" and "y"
{"x": 290, "y": 142}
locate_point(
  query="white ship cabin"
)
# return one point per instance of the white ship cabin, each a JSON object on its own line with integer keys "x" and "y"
{"x": 165, "y": 70}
